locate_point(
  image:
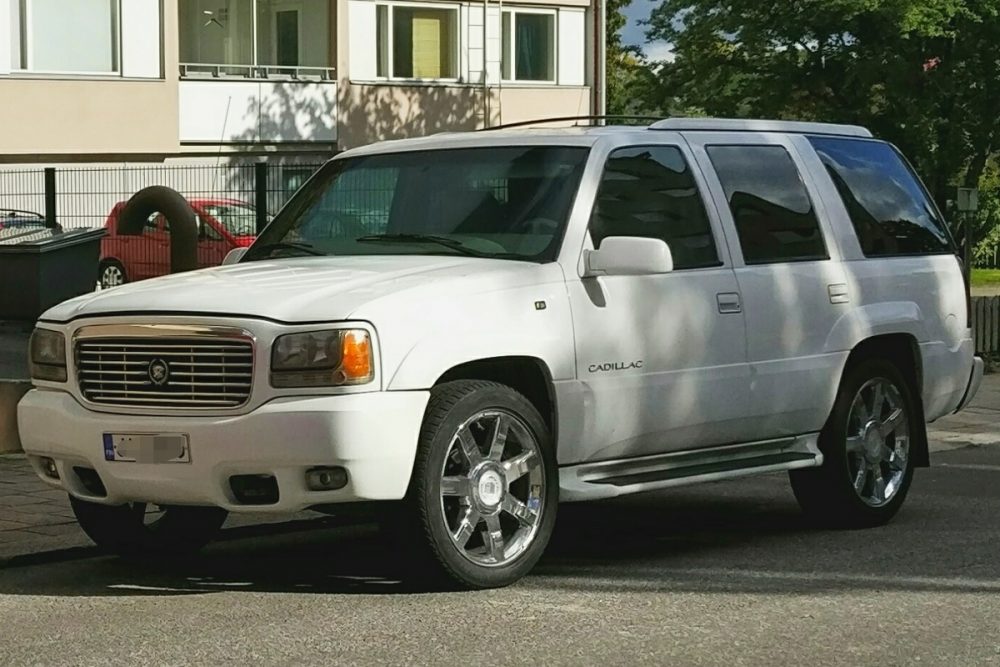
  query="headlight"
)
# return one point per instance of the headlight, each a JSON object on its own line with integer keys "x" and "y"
{"x": 47, "y": 355}
{"x": 322, "y": 359}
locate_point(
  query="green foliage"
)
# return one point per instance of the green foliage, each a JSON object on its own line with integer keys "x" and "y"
{"x": 924, "y": 74}
{"x": 628, "y": 74}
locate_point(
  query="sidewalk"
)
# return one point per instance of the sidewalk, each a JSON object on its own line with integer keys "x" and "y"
{"x": 36, "y": 518}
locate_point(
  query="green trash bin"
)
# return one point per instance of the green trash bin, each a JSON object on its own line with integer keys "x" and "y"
{"x": 40, "y": 267}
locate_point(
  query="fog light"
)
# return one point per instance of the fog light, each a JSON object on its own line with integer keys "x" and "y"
{"x": 49, "y": 467}
{"x": 326, "y": 479}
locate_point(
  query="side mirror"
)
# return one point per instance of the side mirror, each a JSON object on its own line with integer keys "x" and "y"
{"x": 234, "y": 256}
{"x": 629, "y": 256}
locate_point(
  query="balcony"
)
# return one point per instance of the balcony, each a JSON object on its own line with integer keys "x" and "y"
{"x": 257, "y": 71}
{"x": 248, "y": 104}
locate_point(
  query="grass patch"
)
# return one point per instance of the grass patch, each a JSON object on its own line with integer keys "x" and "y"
{"x": 985, "y": 277}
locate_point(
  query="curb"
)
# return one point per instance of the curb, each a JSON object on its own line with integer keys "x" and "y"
{"x": 11, "y": 392}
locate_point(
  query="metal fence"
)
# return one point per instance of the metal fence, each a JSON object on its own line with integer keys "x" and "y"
{"x": 232, "y": 201}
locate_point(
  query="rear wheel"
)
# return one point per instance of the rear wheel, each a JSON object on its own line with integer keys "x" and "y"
{"x": 485, "y": 488}
{"x": 138, "y": 529}
{"x": 867, "y": 468}
{"x": 112, "y": 274}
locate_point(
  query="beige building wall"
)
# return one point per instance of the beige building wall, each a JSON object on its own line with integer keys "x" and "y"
{"x": 371, "y": 112}
{"x": 80, "y": 116}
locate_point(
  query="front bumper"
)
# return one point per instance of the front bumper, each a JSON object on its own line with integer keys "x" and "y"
{"x": 975, "y": 379}
{"x": 372, "y": 435}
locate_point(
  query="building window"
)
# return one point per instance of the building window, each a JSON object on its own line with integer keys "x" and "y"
{"x": 529, "y": 45}
{"x": 255, "y": 37}
{"x": 79, "y": 37}
{"x": 416, "y": 42}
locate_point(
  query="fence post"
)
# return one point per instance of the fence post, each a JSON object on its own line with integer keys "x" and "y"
{"x": 50, "y": 197}
{"x": 260, "y": 192}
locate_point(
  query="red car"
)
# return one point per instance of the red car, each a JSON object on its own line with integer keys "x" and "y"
{"x": 223, "y": 224}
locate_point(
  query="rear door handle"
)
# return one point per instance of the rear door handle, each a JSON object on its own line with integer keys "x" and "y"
{"x": 729, "y": 302}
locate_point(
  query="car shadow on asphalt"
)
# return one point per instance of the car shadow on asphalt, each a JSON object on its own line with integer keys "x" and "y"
{"x": 745, "y": 537}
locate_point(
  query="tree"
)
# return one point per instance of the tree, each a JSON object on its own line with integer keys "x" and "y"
{"x": 924, "y": 74}
{"x": 628, "y": 74}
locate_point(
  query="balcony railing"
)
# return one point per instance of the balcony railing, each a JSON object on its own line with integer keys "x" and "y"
{"x": 256, "y": 72}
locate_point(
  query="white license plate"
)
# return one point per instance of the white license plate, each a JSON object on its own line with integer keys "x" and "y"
{"x": 147, "y": 447}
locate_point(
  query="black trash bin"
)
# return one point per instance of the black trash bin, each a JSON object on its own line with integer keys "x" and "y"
{"x": 42, "y": 267}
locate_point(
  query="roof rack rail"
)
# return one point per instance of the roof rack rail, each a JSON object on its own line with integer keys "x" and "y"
{"x": 563, "y": 119}
{"x": 751, "y": 125}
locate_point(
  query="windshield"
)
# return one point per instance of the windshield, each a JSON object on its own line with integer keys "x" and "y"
{"x": 507, "y": 202}
{"x": 238, "y": 219}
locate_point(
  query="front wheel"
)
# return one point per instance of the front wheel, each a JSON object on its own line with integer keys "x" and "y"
{"x": 484, "y": 490}
{"x": 137, "y": 529}
{"x": 867, "y": 467}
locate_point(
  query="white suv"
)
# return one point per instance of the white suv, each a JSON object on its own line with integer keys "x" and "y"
{"x": 474, "y": 327}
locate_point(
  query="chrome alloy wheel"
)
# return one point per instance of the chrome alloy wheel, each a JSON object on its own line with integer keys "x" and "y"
{"x": 493, "y": 488}
{"x": 878, "y": 442}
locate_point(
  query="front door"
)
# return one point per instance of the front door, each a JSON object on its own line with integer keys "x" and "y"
{"x": 661, "y": 359}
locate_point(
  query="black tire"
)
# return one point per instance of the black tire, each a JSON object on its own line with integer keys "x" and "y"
{"x": 426, "y": 518}
{"x": 827, "y": 494}
{"x": 122, "y": 529}
{"x": 104, "y": 276}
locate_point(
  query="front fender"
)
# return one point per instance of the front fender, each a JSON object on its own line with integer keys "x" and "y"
{"x": 432, "y": 357}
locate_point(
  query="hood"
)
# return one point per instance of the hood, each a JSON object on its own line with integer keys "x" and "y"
{"x": 308, "y": 289}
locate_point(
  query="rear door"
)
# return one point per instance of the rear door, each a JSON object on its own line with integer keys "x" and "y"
{"x": 789, "y": 273}
{"x": 661, "y": 359}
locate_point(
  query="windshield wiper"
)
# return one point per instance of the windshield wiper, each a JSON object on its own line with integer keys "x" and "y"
{"x": 267, "y": 248}
{"x": 451, "y": 244}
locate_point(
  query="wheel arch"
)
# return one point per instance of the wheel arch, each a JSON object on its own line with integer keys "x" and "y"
{"x": 529, "y": 376}
{"x": 902, "y": 349}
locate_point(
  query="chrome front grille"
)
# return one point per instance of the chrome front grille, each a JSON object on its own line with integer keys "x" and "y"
{"x": 169, "y": 371}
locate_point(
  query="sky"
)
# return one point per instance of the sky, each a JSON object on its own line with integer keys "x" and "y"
{"x": 633, "y": 33}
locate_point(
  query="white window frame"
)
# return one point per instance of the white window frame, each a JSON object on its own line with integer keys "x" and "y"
{"x": 508, "y": 55}
{"x": 456, "y": 49}
{"x": 25, "y": 43}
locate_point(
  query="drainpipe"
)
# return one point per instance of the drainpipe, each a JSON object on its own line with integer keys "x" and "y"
{"x": 600, "y": 58}
{"x": 486, "y": 74}
{"x": 500, "y": 63}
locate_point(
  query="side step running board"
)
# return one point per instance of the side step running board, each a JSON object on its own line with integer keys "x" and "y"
{"x": 612, "y": 478}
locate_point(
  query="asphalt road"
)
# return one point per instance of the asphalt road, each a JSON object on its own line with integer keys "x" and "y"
{"x": 723, "y": 574}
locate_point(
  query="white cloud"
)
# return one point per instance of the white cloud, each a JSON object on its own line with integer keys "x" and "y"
{"x": 659, "y": 51}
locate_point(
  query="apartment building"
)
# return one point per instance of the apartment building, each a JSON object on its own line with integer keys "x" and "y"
{"x": 132, "y": 81}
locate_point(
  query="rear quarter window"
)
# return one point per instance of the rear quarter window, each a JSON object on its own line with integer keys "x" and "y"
{"x": 888, "y": 206}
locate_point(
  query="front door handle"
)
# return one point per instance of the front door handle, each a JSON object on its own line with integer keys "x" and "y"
{"x": 729, "y": 302}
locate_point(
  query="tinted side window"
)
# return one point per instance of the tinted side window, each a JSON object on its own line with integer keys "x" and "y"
{"x": 772, "y": 210}
{"x": 890, "y": 210}
{"x": 649, "y": 191}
